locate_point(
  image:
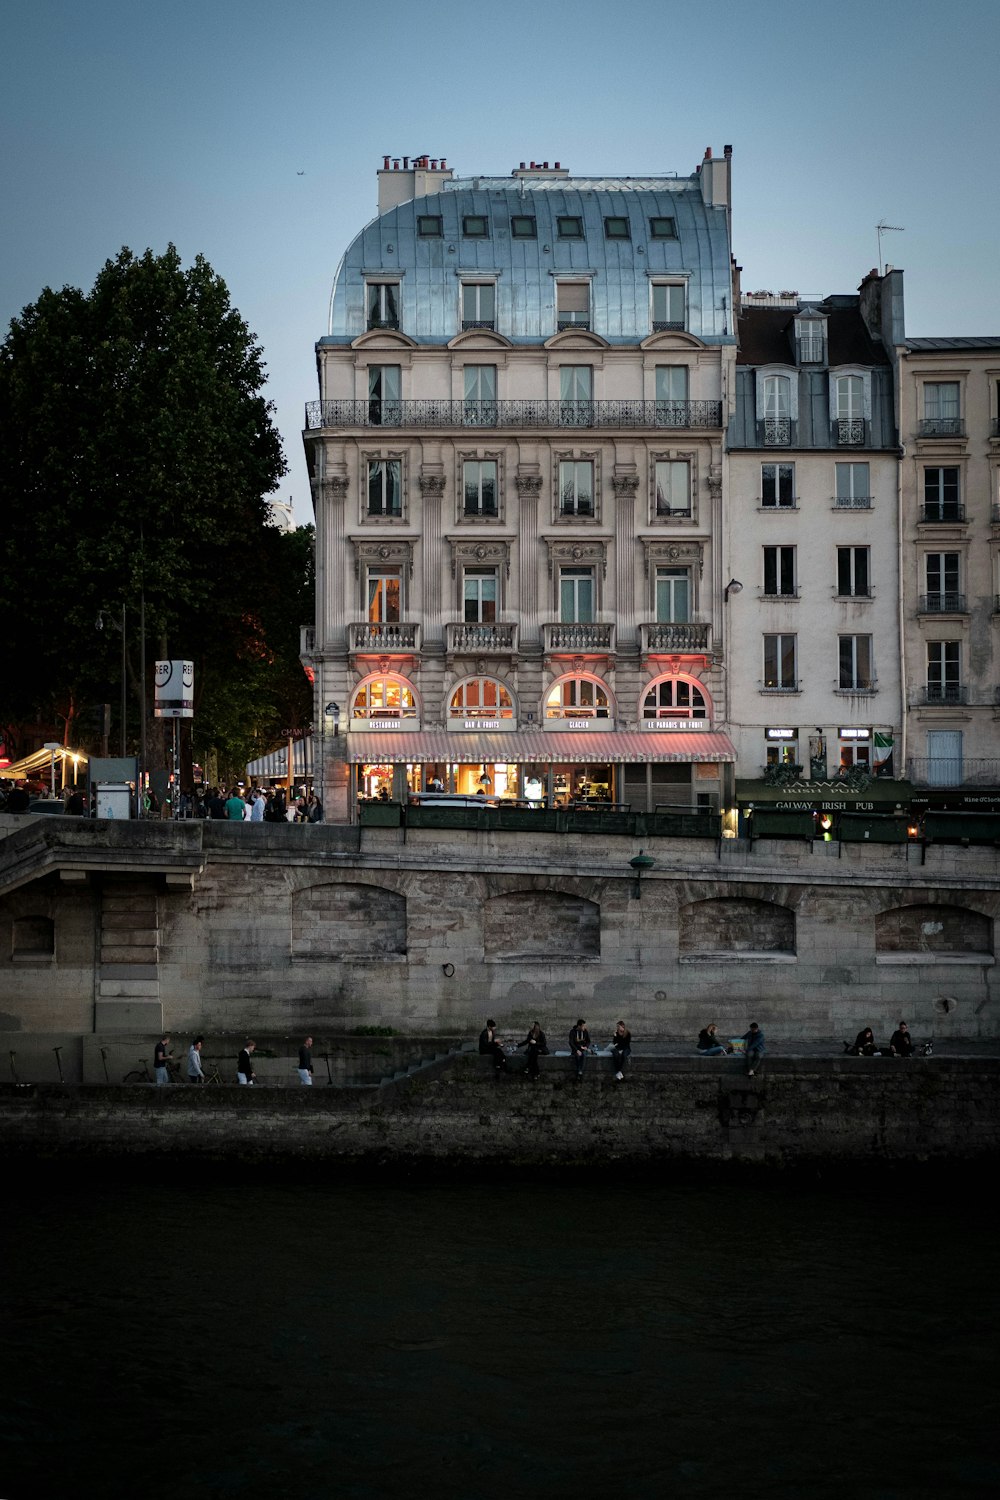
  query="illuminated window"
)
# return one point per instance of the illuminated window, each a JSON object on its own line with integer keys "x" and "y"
{"x": 481, "y": 698}
{"x": 384, "y": 595}
{"x": 384, "y": 698}
{"x": 578, "y": 698}
{"x": 674, "y": 698}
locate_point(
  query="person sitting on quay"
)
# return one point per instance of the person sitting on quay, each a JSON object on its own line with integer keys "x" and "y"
{"x": 754, "y": 1039}
{"x": 537, "y": 1047}
{"x": 709, "y": 1044}
{"x": 621, "y": 1049}
{"x": 490, "y": 1045}
{"x": 901, "y": 1042}
{"x": 579, "y": 1046}
{"x": 864, "y": 1044}
{"x": 244, "y": 1063}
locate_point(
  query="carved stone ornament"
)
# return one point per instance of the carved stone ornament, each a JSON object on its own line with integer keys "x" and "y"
{"x": 372, "y": 554}
{"x": 338, "y": 485}
{"x": 676, "y": 554}
{"x": 528, "y": 485}
{"x": 595, "y": 553}
{"x": 715, "y": 483}
{"x": 481, "y": 555}
{"x": 431, "y": 484}
{"x": 625, "y": 485}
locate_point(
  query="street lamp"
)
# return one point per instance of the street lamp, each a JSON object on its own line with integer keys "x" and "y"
{"x": 639, "y": 862}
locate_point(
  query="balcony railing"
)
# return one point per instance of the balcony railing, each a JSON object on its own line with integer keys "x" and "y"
{"x": 514, "y": 414}
{"x": 578, "y": 637}
{"x": 864, "y": 686}
{"x": 660, "y": 326}
{"x": 941, "y": 427}
{"x": 673, "y": 637}
{"x": 852, "y": 502}
{"x": 470, "y": 323}
{"x": 462, "y": 639}
{"x": 778, "y": 687}
{"x": 952, "y": 770}
{"x": 568, "y": 321}
{"x": 776, "y": 432}
{"x": 383, "y": 636}
{"x": 941, "y": 604}
{"x": 849, "y": 432}
{"x": 945, "y": 692}
{"x": 942, "y": 512}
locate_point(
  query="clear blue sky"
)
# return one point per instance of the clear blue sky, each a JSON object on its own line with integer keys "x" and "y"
{"x": 126, "y": 124}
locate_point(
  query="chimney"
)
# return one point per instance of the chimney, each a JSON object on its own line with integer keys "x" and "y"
{"x": 418, "y": 179}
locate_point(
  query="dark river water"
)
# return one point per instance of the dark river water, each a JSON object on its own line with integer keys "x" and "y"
{"x": 177, "y": 1330}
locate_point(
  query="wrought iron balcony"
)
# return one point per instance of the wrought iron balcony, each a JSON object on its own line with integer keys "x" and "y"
{"x": 941, "y": 604}
{"x": 852, "y": 502}
{"x": 675, "y": 637}
{"x": 945, "y": 692}
{"x": 941, "y": 427}
{"x": 578, "y": 637}
{"x": 864, "y": 686}
{"x": 388, "y": 636}
{"x": 383, "y": 323}
{"x": 614, "y": 415}
{"x": 849, "y": 432}
{"x": 488, "y": 323}
{"x": 661, "y": 327}
{"x": 952, "y": 770}
{"x": 568, "y": 321}
{"x": 462, "y": 639}
{"x": 775, "y": 432}
{"x": 942, "y": 511}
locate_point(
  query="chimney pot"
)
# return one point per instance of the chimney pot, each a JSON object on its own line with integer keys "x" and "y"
{"x": 406, "y": 163}
{"x": 521, "y": 168}
{"x": 545, "y": 165}
{"x": 727, "y": 150}
{"x": 395, "y": 164}
{"x": 557, "y": 166}
{"x": 385, "y": 164}
{"x": 434, "y": 165}
{"x": 444, "y": 165}
{"x": 708, "y": 153}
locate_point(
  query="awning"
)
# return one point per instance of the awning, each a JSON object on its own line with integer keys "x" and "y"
{"x": 421, "y": 747}
{"x": 274, "y": 767}
{"x": 39, "y": 763}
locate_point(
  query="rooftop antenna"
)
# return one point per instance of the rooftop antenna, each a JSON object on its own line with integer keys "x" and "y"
{"x": 882, "y": 228}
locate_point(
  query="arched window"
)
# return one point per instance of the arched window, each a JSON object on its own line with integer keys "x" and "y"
{"x": 578, "y": 698}
{"x": 675, "y": 698}
{"x": 481, "y": 698}
{"x": 384, "y": 697}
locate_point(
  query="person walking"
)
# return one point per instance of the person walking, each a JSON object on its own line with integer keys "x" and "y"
{"x": 195, "y": 1071}
{"x": 305, "y": 1069}
{"x": 161, "y": 1052}
{"x": 754, "y": 1039}
{"x": 579, "y": 1046}
{"x": 244, "y": 1063}
{"x": 621, "y": 1050}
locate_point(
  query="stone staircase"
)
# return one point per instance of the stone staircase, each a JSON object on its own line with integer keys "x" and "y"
{"x": 426, "y": 1067}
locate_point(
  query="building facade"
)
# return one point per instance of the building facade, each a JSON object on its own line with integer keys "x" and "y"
{"x": 950, "y": 549}
{"x": 517, "y": 461}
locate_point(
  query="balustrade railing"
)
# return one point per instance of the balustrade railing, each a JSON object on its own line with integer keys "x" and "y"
{"x": 376, "y": 636}
{"x": 673, "y": 637}
{"x": 582, "y": 637}
{"x": 472, "y": 639}
{"x": 513, "y": 414}
{"x": 941, "y": 427}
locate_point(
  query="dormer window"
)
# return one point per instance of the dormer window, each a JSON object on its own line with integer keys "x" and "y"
{"x": 429, "y": 226}
{"x": 809, "y": 335}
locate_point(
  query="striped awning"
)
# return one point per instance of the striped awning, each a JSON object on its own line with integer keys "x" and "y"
{"x": 274, "y": 767}
{"x": 422, "y": 747}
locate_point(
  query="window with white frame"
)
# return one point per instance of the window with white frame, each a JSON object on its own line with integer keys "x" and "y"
{"x": 781, "y": 746}
{"x": 479, "y": 408}
{"x": 942, "y": 495}
{"x": 854, "y": 572}
{"x": 779, "y": 571}
{"x": 856, "y": 664}
{"x": 673, "y": 595}
{"x": 777, "y": 410}
{"x": 809, "y": 333}
{"x": 384, "y": 697}
{"x": 385, "y": 487}
{"x": 576, "y": 395}
{"x": 668, "y": 306}
{"x": 780, "y": 664}
{"x": 943, "y": 574}
{"x": 674, "y": 698}
{"x": 572, "y": 304}
{"x": 849, "y": 408}
{"x": 855, "y": 748}
{"x": 944, "y": 671}
{"x": 576, "y": 596}
{"x": 384, "y": 390}
{"x": 777, "y": 486}
{"x": 671, "y": 394}
{"x": 576, "y": 487}
{"x": 479, "y": 486}
{"x": 672, "y": 487}
{"x": 383, "y": 304}
{"x": 481, "y": 698}
{"x": 480, "y": 596}
{"x": 578, "y": 698}
{"x": 479, "y": 304}
{"x": 854, "y": 486}
{"x": 942, "y": 409}
{"x": 385, "y": 595}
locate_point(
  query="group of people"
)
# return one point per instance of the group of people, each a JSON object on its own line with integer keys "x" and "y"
{"x": 865, "y": 1045}
{"x": 580, "y": 1048}
{"x": 709, "y": 1045}
{"x": 252, "y": 805}
{"x": 245, "y": 1075}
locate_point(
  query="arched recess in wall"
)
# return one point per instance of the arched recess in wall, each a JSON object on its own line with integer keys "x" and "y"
{"x": 541, "y": 925}
{"x": 909, "y": 933}
{"x": 348, "y": 921}
{"x": 741, "y": 925}
{"x": 34, "y": 939}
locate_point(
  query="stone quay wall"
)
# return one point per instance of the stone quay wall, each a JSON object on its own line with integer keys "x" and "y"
{"x": 126, "y": 928}
{"x": 454, "y": 1114}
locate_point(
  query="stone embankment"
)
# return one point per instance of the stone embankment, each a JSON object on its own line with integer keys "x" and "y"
{"x": 452, "y": 1113}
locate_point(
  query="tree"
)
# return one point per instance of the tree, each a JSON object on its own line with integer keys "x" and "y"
{"x": 137, "y": 455}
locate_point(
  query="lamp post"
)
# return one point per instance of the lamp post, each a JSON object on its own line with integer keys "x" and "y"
{"x": 639, "y": 862}
{"x": 99, "y": 625}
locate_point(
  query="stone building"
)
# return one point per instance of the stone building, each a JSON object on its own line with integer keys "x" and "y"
{"x": 950, "y": 549}
{"x": 517, "y": 467}
{"x": 811, "y": 532}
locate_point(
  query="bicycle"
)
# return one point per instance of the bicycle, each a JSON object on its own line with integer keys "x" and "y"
{"x": 141, "y": 1074}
